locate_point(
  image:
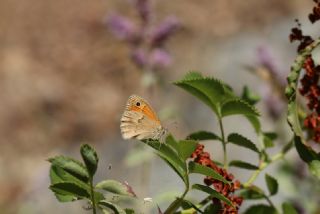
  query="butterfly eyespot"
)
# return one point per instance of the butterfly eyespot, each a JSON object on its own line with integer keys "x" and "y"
{"x": 138, "y": 104}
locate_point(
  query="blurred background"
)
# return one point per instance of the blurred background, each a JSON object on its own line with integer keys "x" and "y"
{"x": 68, "y": 67}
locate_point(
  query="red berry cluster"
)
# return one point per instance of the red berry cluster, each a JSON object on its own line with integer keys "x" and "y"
{"x": 309, "y": 82}
{"x": 297, "y": 35}
{"x": 203, "y": 158}
{"x": 311, "y": 90}
{"x": 315, "y": 15}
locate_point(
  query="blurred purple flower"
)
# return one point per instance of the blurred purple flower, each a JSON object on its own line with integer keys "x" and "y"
{"x": 122, "y": 27}
{"x": 143, "y": 8}
{"x": 139, "y": 57}
{"x": 266, "y": 59}
{"x": 160, "y": 58}
{"x": 161, "y": 33}
{"x": 145, "y": 40}
{"x": 275, "y": 106}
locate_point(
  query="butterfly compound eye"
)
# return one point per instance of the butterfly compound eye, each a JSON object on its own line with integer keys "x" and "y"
{"x": 138, "y": 104}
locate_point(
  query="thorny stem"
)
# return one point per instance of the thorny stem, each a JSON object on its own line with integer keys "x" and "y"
{"x": 223, "y": 144}
{"x": 92, "y": 197}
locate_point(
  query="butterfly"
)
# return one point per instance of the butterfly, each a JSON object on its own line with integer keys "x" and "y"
{"x": 139, "y": 121}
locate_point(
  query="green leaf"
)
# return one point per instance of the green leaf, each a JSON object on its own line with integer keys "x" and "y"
{"x": 212, "y": 209}
{"x": 204, "y": 170}
{"x": 249, "y": 96}
{"x": 193, "y": 75}
{"x": 243, "y": 165}
{"x": 186, "y": 204}
{"x": 55, "y": 178}
{"x": 254, "y": 122}
{"x": 115, "y": 208}
{"x": 306, "y": 153}
{"x": 261, "y": 209}
{"x": 71, "y": 166}
{"x": 238, "y": 106}
{"x": 271, "y": 135}
{"x": 212, "y": 193}
{"x": 272, "y": 184}
{"x": 186, "y": 148}
{"x": 129, "y": 211}
{"x": 203, "y": 135}
{"x": 98, "y": 196}
{"x": 115, "y": 187}
{"x": 252, "y": 193}
{"x": 287, "y": 147}
{"x": 90, "y": 158}
{"x": 211, "y": 91}
{"x": 287, "y": 208}
{"x": 70, "y": 189}
{"x": 240, "y": 140}
{"x": 293, "y": 118}
{"x": 314, "y": 167}
{"x": 173, "y": 143}
{"x": 58, "y": 175}
{"x": 167, "y": 153}
{"x": 268, "y": 138}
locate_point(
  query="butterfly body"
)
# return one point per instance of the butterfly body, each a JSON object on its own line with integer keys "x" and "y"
{"x": 139, "y": 121}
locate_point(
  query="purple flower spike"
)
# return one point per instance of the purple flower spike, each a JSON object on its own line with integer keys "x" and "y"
{"x": 139, "y": 57}
{"x": 265, "y": 58}
{"x": 143, "y": 8}
{"x": 160, "y": 34}
{"x": 160, "y": 58}
{"x": 122, "y": 27}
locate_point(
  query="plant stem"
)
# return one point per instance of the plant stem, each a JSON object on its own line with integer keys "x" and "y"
{"x": 262, "y": 166}
{"x": 92, "y": 197}
{"x": 176, "y": 204}
{"x": 225, "y": 160}
{"x": 269, "y": 201}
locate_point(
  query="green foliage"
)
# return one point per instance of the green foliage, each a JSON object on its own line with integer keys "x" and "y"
{"x": 186, "y": 148}
{"x": 314, "y": 167}
{"x": 72, "y": 180}
{"x": 243, "y": 165}
{"x": 90, "y": 158}
{"x": 203, "y": 135}
{"x": 249, "y": 96}
{"x": 238, "y": 106}
{"x": 204, "y": 170}
{"x": 115, "y": 187}
{"x": 70, "y": 189}
{"x": 212, "y": 193}
{"x": 269, "y": 138}
{"x": 169, "y": 152}
{"x": 240, "y": 140}
{"x": 272, "y": 184}
{"x": 287, "y": 208}
{"x": 71, "y": 166}
{"x": 252, "y": 193}
{"x": 116, "y": 209}
{"x": 261, "y": 209}
{"x": 306, "y": 153}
